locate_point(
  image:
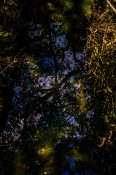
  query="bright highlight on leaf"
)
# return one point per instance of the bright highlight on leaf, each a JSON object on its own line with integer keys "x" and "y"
{"x": 87, "y": 7}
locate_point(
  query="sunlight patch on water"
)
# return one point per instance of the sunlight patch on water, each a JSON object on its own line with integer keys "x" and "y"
{"x": 46, "y": 151}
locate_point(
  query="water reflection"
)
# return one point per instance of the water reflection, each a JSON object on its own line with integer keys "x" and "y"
{"x": 65, "y": 158}
{"x": 73, "y": 160}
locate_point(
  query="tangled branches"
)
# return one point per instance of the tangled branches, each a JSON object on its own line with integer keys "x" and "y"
{"x": 101, "y": 70}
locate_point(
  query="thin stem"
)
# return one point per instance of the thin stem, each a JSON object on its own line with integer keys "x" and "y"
{"x": 112, "y": 7}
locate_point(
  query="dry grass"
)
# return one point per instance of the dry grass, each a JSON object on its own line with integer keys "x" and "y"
{"x": 101, "y": 64}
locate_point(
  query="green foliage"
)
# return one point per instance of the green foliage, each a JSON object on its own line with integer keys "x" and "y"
{"x": 87, "y": 7}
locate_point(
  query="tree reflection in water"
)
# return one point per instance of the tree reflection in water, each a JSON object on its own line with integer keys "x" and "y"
{"x": 57, "y": 99}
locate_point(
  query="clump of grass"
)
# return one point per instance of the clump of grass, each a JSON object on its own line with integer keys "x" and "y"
{"x": 101, "y": 68}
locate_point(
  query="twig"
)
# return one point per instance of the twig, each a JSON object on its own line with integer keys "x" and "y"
{"x": 8, "y": 66}
{"x": 14, "y": 61}
{"x": 112, "y": 7}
